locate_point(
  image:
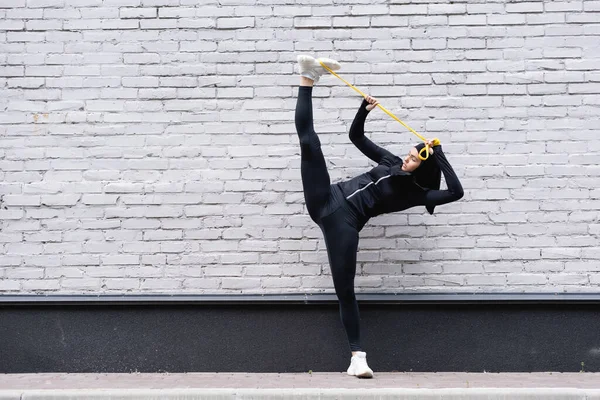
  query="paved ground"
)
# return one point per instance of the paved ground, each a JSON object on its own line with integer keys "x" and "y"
{"x": 284, "y": 381}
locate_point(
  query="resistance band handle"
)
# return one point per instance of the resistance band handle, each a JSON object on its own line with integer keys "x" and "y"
{"x": 436, "y": 142}
{"x": 425, "y": 149}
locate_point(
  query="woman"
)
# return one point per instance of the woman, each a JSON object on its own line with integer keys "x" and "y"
{"x": 342, "y": 209}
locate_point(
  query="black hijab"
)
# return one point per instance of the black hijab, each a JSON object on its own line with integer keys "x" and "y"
{"x": 428, "y": 175}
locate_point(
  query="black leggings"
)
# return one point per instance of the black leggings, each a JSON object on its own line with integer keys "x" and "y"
{"x": 327, "y": 207}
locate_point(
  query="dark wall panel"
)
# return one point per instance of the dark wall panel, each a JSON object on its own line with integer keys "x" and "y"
{"x": 297, "y": 337}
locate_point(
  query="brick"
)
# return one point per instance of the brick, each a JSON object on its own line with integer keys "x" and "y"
{"x": 312, "y": 22}
{"x": 45, "y": 3}
{"x": 240, "y": 283}
{"x": 526, "y": 279}
{"x": 558, "y": 6}
{"x": 561, "y": 253}
{"x": 41, "y": 284}
{"x": 467, "y": 20}
{"x": 12, "y": 25}
{"x": 235, "y": 23}
{"x": 160, "y": 284}
{"x": 201, "y": 283}
{"x": 525, "y": 7}
{"x": 137, "y": 12}
{"x": 12, "y": 3}
{"x": 10, "y": 286}
{"x": 284, "y": 282}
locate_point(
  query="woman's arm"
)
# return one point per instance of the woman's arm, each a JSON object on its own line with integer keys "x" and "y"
{"x": 357, "y": 136}
{"x": 454, "y": 191}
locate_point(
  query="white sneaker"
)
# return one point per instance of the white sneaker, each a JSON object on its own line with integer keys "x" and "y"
{"x": 312, "y": 69}
{"x": 358, "y": 366}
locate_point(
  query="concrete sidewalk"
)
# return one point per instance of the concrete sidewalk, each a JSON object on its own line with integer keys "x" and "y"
{"x": 549, "y": 385}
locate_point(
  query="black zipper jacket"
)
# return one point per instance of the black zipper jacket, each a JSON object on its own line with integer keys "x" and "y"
{"x": 386, "y": 188}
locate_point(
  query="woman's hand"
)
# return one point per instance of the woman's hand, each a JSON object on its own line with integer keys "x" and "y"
{"x": 430, "y": 144}
{"x": 372, "y": 102}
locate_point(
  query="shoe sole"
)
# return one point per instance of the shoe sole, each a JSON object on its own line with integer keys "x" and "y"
{"x": 335, "y": 65}
{"x": 303, "y": 58}
{"x": 364, "y": 375}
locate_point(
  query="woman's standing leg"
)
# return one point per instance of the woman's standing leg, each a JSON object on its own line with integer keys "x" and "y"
{"x": 341, "y": 239}
{"x": 342, "y": 243}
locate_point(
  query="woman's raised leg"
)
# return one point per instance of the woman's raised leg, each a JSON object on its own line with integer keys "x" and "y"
{"x": 315, "y": 177}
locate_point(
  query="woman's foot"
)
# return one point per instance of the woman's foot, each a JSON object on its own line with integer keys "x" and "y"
{"x": 311, "y": 68}
{"x": 358, "y": 366}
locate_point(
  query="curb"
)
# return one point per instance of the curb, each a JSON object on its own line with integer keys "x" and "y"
{"x": 305, "y": 393}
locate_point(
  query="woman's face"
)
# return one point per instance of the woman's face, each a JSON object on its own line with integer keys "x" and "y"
{"x": 411, "y": 161}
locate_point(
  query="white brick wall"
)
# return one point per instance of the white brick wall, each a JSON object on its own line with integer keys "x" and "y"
{"x": 149, "y": 145}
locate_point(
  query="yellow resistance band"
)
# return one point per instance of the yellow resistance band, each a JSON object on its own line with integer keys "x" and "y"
{"x": 425, "y": 149}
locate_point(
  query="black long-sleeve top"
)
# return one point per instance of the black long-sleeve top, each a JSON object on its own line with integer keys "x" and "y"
{"x": 386, "y": 188}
